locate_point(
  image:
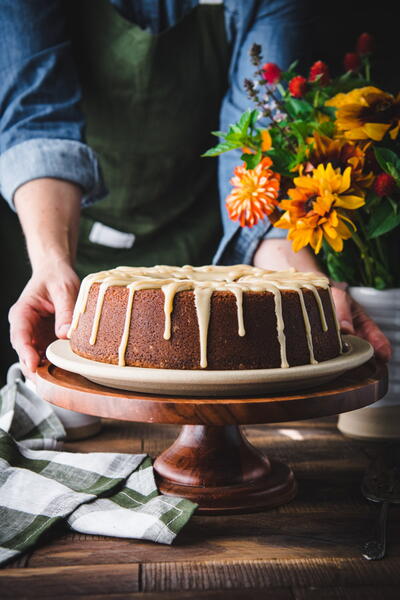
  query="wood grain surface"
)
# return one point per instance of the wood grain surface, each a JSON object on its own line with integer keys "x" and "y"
{"x": 217, "y": 467}
{"x": 211, "y": 462}
{"x": 354, "y": 389}
{"x": 305, "y": 550}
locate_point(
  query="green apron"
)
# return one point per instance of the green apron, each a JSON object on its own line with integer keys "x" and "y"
{"x": 150, "y": 103}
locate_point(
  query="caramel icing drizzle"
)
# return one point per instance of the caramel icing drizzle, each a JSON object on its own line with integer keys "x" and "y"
{"x": 203, "y": 281}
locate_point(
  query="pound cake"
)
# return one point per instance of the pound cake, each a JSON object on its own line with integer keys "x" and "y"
{"x": 211, "y": 317}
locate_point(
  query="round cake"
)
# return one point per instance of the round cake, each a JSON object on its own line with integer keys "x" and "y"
{"x": 211, "y": 317}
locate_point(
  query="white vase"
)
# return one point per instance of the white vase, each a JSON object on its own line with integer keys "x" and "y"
{"x": 381, "y": 421}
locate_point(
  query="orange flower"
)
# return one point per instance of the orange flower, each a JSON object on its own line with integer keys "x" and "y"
{"x": 343, "y": 153}
{"x": 314, "y": 210}
{"x": 266, "y": 140}
{"x": 254, "y": 195}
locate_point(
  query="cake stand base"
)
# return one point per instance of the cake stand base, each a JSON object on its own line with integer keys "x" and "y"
{"x": 218, "y": 468}
{"x": 211, "y": 462}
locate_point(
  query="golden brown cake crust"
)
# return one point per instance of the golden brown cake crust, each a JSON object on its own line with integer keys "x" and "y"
{"x": 259, "y": 348}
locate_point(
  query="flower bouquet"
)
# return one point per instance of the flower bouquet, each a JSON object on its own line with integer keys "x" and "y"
{"x": 326, "y": 167}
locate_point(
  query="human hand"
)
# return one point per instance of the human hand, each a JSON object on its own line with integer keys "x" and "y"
{"x": 277, "y": 254}
{"x": 42, "y": 312}
{"x": 353, "y": 319}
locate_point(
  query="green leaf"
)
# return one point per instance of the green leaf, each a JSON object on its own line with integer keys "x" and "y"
{"x": 238, "y": 132}
{"x": 221, "y": 134}
{"x": 326, "y": 128}
{"x": 234, "y": 133}
{"x": 298, "y": 158}
{"x": 255, "y": 115}
{"x": 394, "y": 204}
{"x": 372, "y": 200}
{"x": 347, "y": 75}
{"x": 300, "y": 129}
{"x": 281, "y": 160}
{"x": 252, "y": 160}
{"x": 339, "y": 268}
{"x": 330, "y": 111}
{"x": 384, "y": 156}
{"x": 389, "y": 162}
{"x": 247, "y": 120}
{"x": 221, "y": 148}
{"x": 379, "y": 283}
{"x": 244, "y": 121}
{"x": 383, "y": 220}
{"x": 293, "y": 65}
{"x": 382, "y": 277}
{"x": 298, "y": 108}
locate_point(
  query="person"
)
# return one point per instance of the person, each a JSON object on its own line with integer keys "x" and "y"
{"x": 126, "y": 92}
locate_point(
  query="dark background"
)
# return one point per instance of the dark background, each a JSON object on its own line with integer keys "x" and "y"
{"x": 337, "y": 27}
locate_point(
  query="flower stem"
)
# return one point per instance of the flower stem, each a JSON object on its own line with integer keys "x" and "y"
{"x": 373, "y": 256}
{"x": 248, "y": 143}
{"x": 366, "y": 259}
{"x": 316, "y": 99}
{"x": 367, "y": 69}
{"x": 380, "y": 252}
{"x": 383, "y": 260}
{"x": 281, "y": 89}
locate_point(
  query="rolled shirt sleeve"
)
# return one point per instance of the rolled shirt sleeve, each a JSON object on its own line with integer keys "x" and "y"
{"x": 41, "y": 124}
{"x": 283, "y": 29}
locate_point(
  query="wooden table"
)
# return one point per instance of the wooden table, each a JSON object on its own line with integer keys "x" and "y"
{"x": 305, "y": 550}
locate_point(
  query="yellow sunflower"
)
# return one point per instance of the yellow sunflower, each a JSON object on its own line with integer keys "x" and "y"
{"x": 254, "y": 195}
{"x": 342, "y": 153}
{"x": 315, "y": 209}
{"x": 367, "y": 113}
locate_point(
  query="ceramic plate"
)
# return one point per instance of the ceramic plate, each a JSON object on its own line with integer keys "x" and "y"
{"x": 211, "y": 383}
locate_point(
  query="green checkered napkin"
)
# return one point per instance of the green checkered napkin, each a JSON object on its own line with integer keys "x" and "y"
{"x": 100, "y": 493}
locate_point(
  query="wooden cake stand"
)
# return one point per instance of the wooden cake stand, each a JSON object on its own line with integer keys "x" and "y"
{"x": 212, "y": 462}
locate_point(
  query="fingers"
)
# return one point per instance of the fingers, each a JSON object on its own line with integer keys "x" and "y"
{"x": 343, "y": 310}
{"x": 28, "y": 374}
{"x": 63, "y": 297}
{"x": 63, "y": 310}
{"x": 353, "y": 319}
{"x": 43, "y": 310}
{"x": 382, "y": 346}
{"x": 22, "y": 325}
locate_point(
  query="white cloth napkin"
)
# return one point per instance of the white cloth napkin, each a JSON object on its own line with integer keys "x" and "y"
{"x": 99, "y": 493}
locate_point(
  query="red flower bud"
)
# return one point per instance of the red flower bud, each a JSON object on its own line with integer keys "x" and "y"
{"x": 351, "y": 61}
{"x": 322, "y": 69}
{"x": 298, "y": 86}
{"x": 365, "y": 44}
{"x": 384, "y": 184}
{"x": 271, "y": 72}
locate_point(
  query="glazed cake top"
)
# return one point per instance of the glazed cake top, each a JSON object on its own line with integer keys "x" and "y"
{"x": 203, "y": 281}
{"x": 213, "y": 276}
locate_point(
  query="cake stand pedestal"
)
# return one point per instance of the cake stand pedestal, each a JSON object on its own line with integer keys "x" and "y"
{"x": 212, "y": 462}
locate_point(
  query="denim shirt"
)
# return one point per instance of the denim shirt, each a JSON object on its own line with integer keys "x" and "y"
{"x": 42, "y": 126}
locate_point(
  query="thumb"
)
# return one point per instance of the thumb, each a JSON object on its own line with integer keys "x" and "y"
{"x": 64, "y": 301}
{"x": 343, "y": 310}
